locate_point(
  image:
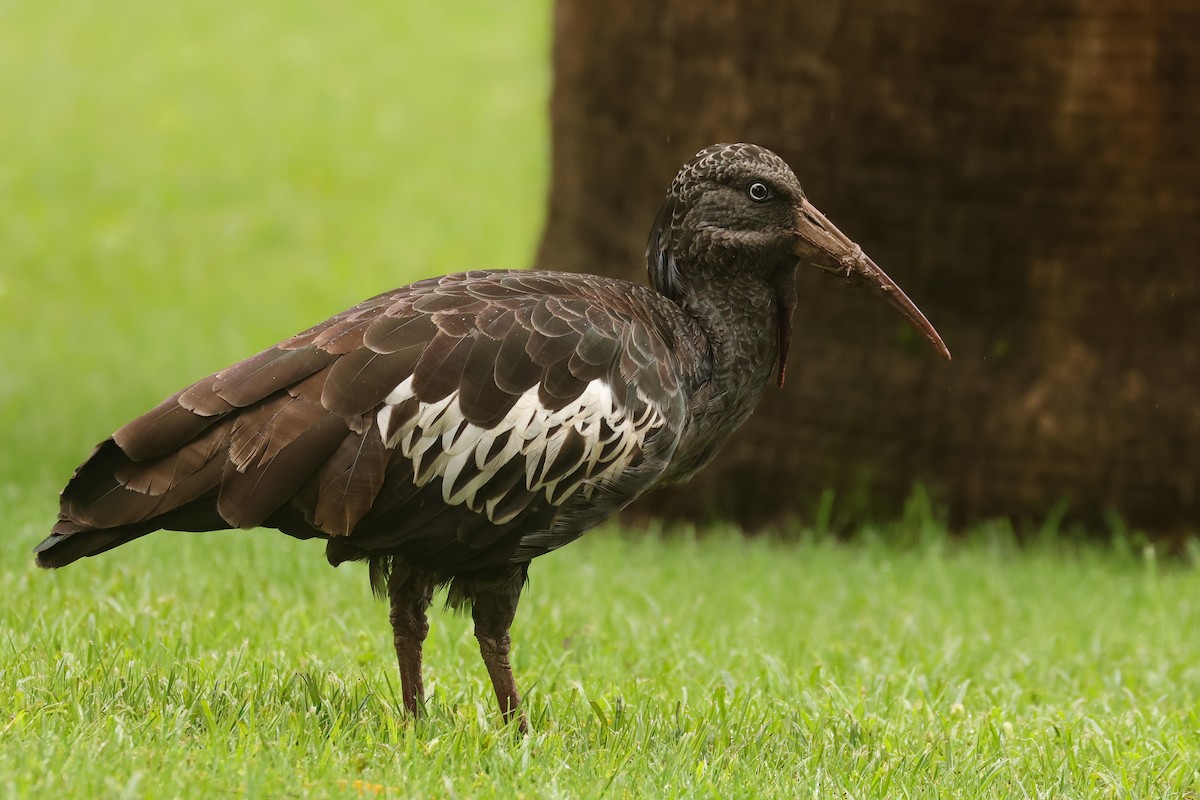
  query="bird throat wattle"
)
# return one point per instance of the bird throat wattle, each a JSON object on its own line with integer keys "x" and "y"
{"x": 785, "y": 301}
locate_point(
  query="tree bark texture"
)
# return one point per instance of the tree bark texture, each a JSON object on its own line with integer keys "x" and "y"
{"x": 1028, "y": 171}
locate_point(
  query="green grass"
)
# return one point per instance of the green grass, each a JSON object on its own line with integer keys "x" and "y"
{"x": 206, "y": 665}
{"x": 183, "y": 183}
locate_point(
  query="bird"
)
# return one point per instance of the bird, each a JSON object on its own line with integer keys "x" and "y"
{"x": 450, "y": 431}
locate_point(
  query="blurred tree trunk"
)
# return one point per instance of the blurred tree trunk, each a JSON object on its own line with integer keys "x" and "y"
{"x": 1028, "y": 171}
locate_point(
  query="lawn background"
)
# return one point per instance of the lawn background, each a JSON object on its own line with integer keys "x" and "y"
{"x": 184, "y": 183}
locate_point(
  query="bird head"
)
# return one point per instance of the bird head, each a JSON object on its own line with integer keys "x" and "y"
{"x": 737, "y": 207}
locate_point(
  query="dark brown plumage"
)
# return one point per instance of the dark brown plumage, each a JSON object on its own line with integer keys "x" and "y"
{"x": 450, "y": 431}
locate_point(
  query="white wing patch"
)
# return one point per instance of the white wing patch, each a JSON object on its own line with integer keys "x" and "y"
{"x": 441, "y": 443}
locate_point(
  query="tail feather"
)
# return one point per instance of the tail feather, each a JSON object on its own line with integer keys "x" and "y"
{"x": 70, "y": 541}
{"x": 61, "y": 548}
{"x": 111, "y": 490}
{"x": 166, "y": 468}
{"x": 112, "y": 499}
{"x": 250, "y": 445}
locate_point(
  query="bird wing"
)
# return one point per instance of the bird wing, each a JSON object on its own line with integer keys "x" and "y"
{"x": 467, "y": 403}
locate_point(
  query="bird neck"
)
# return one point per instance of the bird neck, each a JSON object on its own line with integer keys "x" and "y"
{"x": 742, "y": 299}
{"x": 747, "y": 322}
{"x": 742, "y": 321}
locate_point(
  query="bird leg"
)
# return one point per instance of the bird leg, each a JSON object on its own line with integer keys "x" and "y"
{"x": 493, "y": 610}
{"x": 410, "y": 594}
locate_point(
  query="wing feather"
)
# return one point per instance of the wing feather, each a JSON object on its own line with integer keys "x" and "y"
{"x": 282, "y": 444}
{"x": 271, "y": 370}
{"x": 161, "y": 430}
{"x": 349, "y": 428}
{"x": 439, "y": 371}
{"x": 359, "y": 380}
{"x": 481, "y": 399}
{"x": 348, "y": 482}
{"x": 515, "y": 372}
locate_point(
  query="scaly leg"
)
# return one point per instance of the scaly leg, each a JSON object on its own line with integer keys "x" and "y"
{"x": 410, "y": 594}
{"x": 494, "y": 607}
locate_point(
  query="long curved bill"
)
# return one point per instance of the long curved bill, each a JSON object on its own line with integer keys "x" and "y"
{"x": 824, "y": 246}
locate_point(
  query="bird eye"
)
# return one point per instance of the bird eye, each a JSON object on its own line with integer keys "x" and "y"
{"x": 759, "y": 192}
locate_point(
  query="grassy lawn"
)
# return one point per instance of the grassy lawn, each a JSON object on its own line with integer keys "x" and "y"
{"x": 203, "y": 665}
{"x": 185, "y": 182}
